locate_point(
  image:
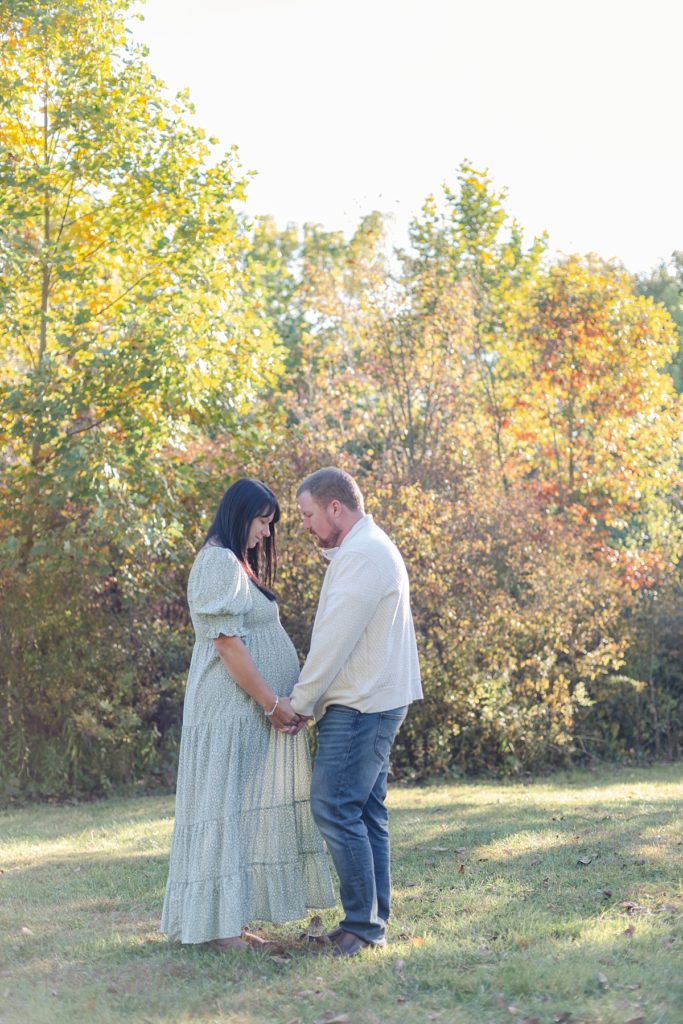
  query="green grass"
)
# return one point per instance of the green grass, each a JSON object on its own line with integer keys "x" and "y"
{"x": 495, "y": 918}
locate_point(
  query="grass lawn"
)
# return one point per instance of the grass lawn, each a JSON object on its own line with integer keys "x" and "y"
{"x": 554, "y": 901}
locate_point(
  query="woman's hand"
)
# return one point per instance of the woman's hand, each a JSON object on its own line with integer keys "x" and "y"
{"x": 284, "y": 718}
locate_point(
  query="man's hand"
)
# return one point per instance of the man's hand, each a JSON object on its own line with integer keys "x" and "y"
{"x": 298, "y": 726}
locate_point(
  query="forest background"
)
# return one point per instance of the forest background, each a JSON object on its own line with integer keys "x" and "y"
{"x": 513, "y": 419}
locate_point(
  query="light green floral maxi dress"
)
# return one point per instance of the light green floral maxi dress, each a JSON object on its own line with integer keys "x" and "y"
{"x": 245, "y": 846}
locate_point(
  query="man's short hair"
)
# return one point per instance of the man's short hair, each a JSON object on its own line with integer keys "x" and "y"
{"x": 330, "y": 484}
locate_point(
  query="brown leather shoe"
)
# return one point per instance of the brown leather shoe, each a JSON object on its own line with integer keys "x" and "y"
{"x": 348, "y": 944}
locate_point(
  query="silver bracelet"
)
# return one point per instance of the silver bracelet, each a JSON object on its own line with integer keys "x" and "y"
{"x": 272, "y": 711}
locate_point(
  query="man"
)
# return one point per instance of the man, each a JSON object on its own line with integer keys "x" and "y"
{"x": 360, "y": 676}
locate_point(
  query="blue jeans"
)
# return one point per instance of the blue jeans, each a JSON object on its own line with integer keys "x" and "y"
{"x": 348, "y": 790}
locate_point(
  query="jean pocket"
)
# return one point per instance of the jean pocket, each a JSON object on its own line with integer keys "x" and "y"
{"x": 387, "y": 727}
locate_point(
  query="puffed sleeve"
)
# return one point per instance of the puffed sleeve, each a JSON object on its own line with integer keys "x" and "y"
{"x": 218, "y": 594}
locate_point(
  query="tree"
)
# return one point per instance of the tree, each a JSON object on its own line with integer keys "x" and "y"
{"x": 125, "y": 329}
{"x": 665, "y": 286}
{"x": 599, "y": 422}
{"x": 469, "y": 241}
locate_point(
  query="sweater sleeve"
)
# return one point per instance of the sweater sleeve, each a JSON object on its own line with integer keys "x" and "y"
{"x": 352, "y": 596}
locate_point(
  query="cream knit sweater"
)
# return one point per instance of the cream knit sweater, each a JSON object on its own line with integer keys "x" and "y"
{"x": 363, "y": 651}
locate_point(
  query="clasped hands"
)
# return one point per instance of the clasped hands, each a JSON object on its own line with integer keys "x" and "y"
{"x": 285, "y": 719}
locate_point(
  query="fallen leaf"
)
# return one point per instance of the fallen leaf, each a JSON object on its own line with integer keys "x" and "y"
{"x": 499, "y": 998}
{"x": 629, "y": 932}
{"x": 434, "y": 1016}
{"x": 602, "y": 980}
{"x": 636, "y": 1020}
{"x": 513, "y": 1010}
{"x": 633, "y": 985}
{"x": 632, "y": 907}
{"x": 585, "y": 860}
{"x": 333, "y": 1018}
{"x": 430, "y": 863}
{"x": 411, "y": 885}
{"x": 418, "y": 941}
{"x": 7, "y": 993}
{"x": 315, "y": 928}
{"x": 606, "y": 894}
{"x": 305, "y": 993}
{"x": 530, "y": 1020}
{"x": 439, "y": 849}
{"x": 26, "y": 931}
{"x": 484, "y": 950}
{"x": 535, "y": 861}
{"x": 461, "y": 869}
{"x": 401, "y": 999}
{"x": 280, "y": 959}
{"x": 562, "y": 1018}
{"x": 668, "y": 908}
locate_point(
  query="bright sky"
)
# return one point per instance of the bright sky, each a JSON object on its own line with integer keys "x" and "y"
{"x": 345, "y": 106}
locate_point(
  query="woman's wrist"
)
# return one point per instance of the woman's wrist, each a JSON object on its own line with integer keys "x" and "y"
{"x": 270, "y": 706}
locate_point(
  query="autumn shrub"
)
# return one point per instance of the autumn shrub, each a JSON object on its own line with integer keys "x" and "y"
{"x": 92, "y": 680}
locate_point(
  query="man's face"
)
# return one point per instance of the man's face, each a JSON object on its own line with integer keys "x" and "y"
{"x": 319, "y": 521}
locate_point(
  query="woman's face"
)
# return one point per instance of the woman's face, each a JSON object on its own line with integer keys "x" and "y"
{"x": 259, "y": 530}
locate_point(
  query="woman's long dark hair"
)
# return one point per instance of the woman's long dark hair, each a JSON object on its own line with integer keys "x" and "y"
{"x": 240, "y": 505}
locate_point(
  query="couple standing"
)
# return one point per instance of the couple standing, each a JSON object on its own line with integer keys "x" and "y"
{"x": 245, "y": 846}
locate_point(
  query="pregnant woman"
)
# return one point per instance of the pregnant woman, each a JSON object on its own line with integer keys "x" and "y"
{"x": 245, "y": 846}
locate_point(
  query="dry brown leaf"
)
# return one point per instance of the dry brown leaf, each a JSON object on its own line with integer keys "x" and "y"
{"x": 585, "y": 861}
{"x": 632, "y": 907}
{"x": 26, "y": 931}
{"x": 418, "y": 941}
{"x": 602, "y": 980}
{"x": 629, "y": 932}
{"x": 315, "y": 928}
{"x": 499, "y": 999}
{"x": 461, "y": 869}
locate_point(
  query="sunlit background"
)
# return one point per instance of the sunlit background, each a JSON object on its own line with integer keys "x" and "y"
{"x": 372, "y": 104}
